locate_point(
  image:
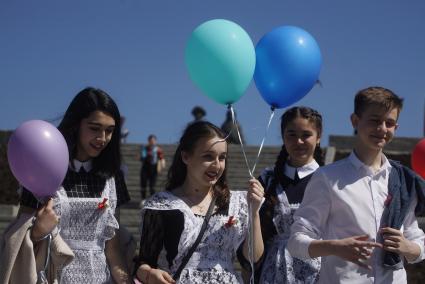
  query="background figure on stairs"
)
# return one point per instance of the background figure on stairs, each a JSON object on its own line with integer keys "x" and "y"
{"x": 198, "y": 113}
{"x": 227, "y": 127}
{"x": 153, "y": 161}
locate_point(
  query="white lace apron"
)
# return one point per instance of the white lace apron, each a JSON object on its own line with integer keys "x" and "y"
{"x": 86, "y": 228}
{"x": 279, "y": 266}
{"x": 212, "y": 262}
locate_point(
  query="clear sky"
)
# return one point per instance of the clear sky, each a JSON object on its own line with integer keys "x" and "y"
{"x": 134, "y": 50}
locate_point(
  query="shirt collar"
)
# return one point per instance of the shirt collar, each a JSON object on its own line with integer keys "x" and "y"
{"x": 385, "y": 164}
{"x": 302, "y": 171}
{"x": 77, "y": 165}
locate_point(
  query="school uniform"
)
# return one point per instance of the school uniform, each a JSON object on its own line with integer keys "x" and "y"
{"x": 86, "y": 204}
{"x": 279, "y": 266}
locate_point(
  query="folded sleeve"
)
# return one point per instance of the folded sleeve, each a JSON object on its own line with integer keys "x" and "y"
{"x": 311, "y": 217}
{"x": 412, "y": 232}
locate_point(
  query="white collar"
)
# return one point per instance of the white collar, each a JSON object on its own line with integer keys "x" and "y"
{"x": 385, "y": 164}
{"x": 302, "y": 171}
{"x": 87, "y": 165}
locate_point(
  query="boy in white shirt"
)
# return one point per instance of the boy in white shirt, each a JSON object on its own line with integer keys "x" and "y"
{"x": 348, "y": 206}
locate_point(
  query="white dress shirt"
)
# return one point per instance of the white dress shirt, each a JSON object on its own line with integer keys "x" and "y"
{"x": 345, "y": 199}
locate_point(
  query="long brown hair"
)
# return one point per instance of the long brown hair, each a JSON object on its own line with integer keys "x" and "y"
{"x": 193, "y": 133}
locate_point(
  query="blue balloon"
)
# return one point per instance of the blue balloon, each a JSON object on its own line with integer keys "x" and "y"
{"x": 288, "y": 62}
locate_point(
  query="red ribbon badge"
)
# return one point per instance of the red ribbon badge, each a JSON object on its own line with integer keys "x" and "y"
{"x": 103, "y": 204}
{"x": 232, "y": 221}
{"x": 388, "y": 200}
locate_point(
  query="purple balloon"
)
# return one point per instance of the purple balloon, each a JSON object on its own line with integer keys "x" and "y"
{"x": 38, "y": 157}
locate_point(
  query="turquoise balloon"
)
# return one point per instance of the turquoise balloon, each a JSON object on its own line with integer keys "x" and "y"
{"x": 220, "y": 57}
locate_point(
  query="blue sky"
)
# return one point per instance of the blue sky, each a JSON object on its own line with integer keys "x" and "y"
{"x": 134, "y": 50}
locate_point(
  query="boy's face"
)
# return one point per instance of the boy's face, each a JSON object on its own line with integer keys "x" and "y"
{"x": 375, "y": 126}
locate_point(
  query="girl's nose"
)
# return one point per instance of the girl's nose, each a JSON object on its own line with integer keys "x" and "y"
{"x": 102, "y": 136}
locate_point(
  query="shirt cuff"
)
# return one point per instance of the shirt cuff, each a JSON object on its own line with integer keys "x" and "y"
{"x": 298, "y": 246}
{"x": 421, "y": 255}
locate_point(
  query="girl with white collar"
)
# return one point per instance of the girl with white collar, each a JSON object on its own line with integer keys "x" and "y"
{"x": 285, "y": 183}
{"x": 85, "y": 206}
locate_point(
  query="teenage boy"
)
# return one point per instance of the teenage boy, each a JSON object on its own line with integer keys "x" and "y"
{"x": 358, "y": 213}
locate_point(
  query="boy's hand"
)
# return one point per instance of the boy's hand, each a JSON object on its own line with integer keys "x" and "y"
{"x": 394, "y": 241}
{"x": 355, "y": 249}
{"x": 46, "y": 220}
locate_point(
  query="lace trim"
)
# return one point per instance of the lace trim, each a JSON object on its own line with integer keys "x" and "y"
{"x": 229, "y": 238}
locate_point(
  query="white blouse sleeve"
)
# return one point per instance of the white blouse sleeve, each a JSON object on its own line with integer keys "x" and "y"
{"x": 311, "y": 216}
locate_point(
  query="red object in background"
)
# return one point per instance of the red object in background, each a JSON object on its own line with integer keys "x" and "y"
{"x": 418, "y": 158}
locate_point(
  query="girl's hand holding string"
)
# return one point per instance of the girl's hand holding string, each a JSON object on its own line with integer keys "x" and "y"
{"x": 255, "y": 195}
{"x": 46, "y": 220}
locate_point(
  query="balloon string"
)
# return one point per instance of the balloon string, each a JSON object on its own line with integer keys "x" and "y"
{"x": 250, "y": 215}
{"x": 251, "y": 241}
{"x": 264, "y": 139}
{"x": 240, "y": 140}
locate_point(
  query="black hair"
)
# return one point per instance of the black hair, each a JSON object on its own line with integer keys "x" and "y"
{"x": 151, "y": 136}
{"x": 87, "y": 101}
{"x": 177, "y": 172}
{"x": 287, "y": 117}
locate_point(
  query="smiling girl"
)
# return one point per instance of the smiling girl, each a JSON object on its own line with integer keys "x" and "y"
{"x": 172, "y": 220}
{"x": 285, "y": 183}
{"x": 84, "y": 207}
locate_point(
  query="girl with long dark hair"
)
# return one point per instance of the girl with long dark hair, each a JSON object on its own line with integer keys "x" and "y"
{"x": 85, "y": 205}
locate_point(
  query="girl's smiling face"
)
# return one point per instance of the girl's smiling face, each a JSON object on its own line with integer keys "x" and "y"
{"x": 300, "y": 139}
{"x": 95, "y": 133}
{"x": 206, "y": 163}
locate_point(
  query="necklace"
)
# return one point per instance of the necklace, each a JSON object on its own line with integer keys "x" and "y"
{"x": 201, "y": 206}
{"x": 196, "y": 202}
